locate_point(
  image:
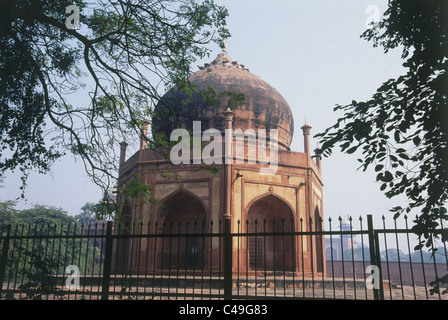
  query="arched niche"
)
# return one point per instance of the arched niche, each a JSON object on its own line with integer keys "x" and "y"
{"x": 268, "y": 214}
{"x": 184, "y": 207}
{"x": 185, "y": 215}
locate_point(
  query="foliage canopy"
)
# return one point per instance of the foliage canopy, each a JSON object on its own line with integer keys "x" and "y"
{"x": 114, "y": 66}
{"x": 402, "y": 131}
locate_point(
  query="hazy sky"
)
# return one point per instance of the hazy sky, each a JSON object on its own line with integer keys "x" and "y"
{"x": 311, "y": 52}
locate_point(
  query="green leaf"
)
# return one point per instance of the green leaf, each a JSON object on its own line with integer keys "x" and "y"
{"x": 416, "y": 140}
{"x": 352, "y": 150}
{"x": 380, "y": 155}
{"x": 393, "y": 158}
{"x": 345, "y": 145}
{"x": 397, "y": 136}
{"x": 388, "y": 177}
{"x": 444, "y": 234}
{"x": 418, "y": 247}
{"x": 379, "y": 167}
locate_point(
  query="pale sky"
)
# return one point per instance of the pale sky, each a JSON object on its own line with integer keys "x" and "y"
{"x": 311, "y": 52}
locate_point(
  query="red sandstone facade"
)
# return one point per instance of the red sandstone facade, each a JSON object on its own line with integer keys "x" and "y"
{"x": 292, "y": 194}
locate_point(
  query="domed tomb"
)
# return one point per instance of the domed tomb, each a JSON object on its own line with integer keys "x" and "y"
{"x": 263, "y": 108}
{"x": 291, "y": 192}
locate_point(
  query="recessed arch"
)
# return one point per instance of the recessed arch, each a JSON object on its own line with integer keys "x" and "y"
{"x": 270, "y": 213}
{"x": 180, "y": 201}
{"x": 182, "y": 206}
{"x": 182, "y": 213}
{"x": 284, "y": 201}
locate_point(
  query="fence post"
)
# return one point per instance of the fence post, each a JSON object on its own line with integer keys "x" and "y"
{"x": 227, "y": 259}
{"x": 4, "y": 258}
{"x": 375, "y": 258}
{"x": 378, "y": 263}
{"x": 107, "y": 263}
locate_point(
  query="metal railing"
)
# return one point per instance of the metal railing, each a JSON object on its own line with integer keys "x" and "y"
{"x": 191, "y": 260}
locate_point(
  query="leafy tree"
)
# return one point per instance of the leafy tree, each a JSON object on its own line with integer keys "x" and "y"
{"x": 43, "y": 215}
{"x": 402, "y": 130}
{"x": 119, "y": 59}
{"x": 36, "y": 255}
{"x": 40, "y": 279}
{"x": 7, "y": 212}
{"x": 87, "y": 214}
{"x": 38, "y": 214}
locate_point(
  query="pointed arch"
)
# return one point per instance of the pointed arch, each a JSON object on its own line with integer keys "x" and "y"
{"x": 182, "y": 213}
{"x": 270, "y": 213}
{"x": 182, "y": 206}
{"x": 270, "y": 193}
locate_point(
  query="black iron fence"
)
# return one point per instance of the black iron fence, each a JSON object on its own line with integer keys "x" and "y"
{"x": 227, "y": 260}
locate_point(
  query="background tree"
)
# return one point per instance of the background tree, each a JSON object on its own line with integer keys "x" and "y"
{"x": 7, "y": 212}
{"x": 37, "y": 256}
{"x": 87, "y": 214}
{"x": 43, "y": 215}
{"x": 82, "y": 91}
{"x": 37, "y": 215}
{"x": 402, "y": 130}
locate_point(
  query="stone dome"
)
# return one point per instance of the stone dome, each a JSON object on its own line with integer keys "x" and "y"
{"x": 263, "y": 108}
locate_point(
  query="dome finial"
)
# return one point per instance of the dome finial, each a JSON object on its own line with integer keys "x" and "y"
{"x": 224, "y": 40}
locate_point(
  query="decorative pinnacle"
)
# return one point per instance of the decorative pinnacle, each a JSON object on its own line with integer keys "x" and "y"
{"x": 306, "y": 128}
{"x": 224, "y": 42}
{"x": 228, "y": 114}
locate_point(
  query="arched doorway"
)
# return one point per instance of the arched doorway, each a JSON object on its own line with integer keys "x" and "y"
{"x": 273, "y": 253}
{"x": 185, "y": 215}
